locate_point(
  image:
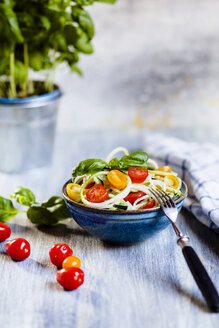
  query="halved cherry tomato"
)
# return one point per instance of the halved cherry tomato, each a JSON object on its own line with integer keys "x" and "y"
{"x": 5, "y": 231}
{"x": 148, "y": 205}
{"x": 73, "y": 191}
{"x": 71, "y": 262}
{"x": 133, "y": 196}
{"x": 18, "y": 249}
{"x": 70, "y": 278}
{"x": 97, "y": 194}
{"x": 137, "y": 174}
{"x": 165, "y": 168}
{"x": 171, "y": 181}
{"x": 117, "y": 179}
{"x": 89, "y": 185}
{"x": 58, "y": 253}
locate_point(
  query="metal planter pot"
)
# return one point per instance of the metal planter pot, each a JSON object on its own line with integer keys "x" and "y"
{"x": 27, "y": 131}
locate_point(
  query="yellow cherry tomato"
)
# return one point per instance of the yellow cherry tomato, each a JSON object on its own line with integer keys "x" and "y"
{"x": 117, "y": 179}
{"x": 165, "y": 168}
{"x": 73, "y": 191}
{"x": 71, "y": 262}
{"x": 171, "y": 181}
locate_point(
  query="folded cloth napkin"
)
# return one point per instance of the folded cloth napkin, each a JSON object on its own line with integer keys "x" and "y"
{"x": 198, "y": 165}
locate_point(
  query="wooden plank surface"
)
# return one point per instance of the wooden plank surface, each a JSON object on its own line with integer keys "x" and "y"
{"x": 146, "y": 284}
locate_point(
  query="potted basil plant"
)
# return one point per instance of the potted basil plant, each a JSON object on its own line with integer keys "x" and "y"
{"x": 36, "y": 36}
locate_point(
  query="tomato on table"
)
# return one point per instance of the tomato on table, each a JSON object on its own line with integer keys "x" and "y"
{"x": 165, "y": 168}
{"x": 117, "y": 179}
{"x": 18, "y": 249}
{"x": 133, "y": 196}
{"x": 71, "y": 262}
{"x": 148, "y": 205}
{"x": 70, "y": 278}
{"x": 137, "y": 174}
{"x": 58, "y": 253}
{"x": 5, "y": 231}
{"x": 97, "y": 194}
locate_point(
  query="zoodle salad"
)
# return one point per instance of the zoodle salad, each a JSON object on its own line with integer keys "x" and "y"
{"x": 121, "y": 184}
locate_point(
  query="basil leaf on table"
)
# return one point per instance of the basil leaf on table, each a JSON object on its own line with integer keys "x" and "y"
{"x": 50, "y": 212}
{"x": 24, "y": 196}
{"x": 7, "y": 209}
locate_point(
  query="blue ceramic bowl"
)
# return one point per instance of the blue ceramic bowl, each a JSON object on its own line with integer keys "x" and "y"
{"x": 121, "y": 226}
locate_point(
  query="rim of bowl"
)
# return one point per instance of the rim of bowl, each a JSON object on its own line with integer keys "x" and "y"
{"x": 122, "y": 212}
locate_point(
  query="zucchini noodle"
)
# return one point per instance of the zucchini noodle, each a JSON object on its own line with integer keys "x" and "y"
{"x": 126, "y": 199}
{"x": 140, "y": 199}
{"x": 115, "y": 151}
{"x": 118, "y": 198}
{"x": 153, "y": 163}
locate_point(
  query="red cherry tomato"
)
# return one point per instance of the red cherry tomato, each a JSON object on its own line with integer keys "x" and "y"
{"x": 137, "y": 174}
{"x": 18, "y": 249}
{"x": 97, "y": 194}
{"x": 148, "y": 205}
{"x": 133, "y": 196}
{"x": 58, "y": 253}
{"x": 70, "y": 278}
{"x": 89, "y": 185}
{"x": 5, "y": 231}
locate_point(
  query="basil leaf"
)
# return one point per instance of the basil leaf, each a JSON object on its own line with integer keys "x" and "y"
{"x": 135, "y": 159}
{"x": 113, "y": 164}
{"x": 10, "y": 22}
{"x": 83, "y": 18}
{"x": 24, "y": 196}
{"x": 50, "y": 212}
{"x": 7, "y": 210}
{"x": 84, "y": 2}
{"x": 107, "y": 1}
{"x": 89, "y": 166}
{"x": 82, "y": 42}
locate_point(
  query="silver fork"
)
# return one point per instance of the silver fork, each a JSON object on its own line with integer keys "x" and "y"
{"x": 196, "y": 267}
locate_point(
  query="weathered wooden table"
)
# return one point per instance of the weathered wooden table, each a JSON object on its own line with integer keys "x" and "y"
{"x": 155, "y": 67}
{"x": 146, "y": 284}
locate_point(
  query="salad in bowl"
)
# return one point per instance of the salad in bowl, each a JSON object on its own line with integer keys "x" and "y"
{"x": 112, "y": 199}
{"x": 122, "y": 184}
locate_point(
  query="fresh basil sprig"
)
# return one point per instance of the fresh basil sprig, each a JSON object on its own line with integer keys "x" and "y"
{"x": 91, "y": 166}
{"x": 50, "y": 212}
{"x": 39, "y": 35}
{"x": 7, "y": 209}
{"x": 135, "y": 159}
{"x": 24, "y": 196}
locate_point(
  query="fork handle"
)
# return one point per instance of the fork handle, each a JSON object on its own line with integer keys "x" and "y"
{"x": 202, "y": 278}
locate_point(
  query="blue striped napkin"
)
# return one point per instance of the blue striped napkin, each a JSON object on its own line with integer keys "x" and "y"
{"x": 198, "y": 165}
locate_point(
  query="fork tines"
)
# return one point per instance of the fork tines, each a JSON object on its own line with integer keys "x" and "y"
{"x": 163, "y": 198}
